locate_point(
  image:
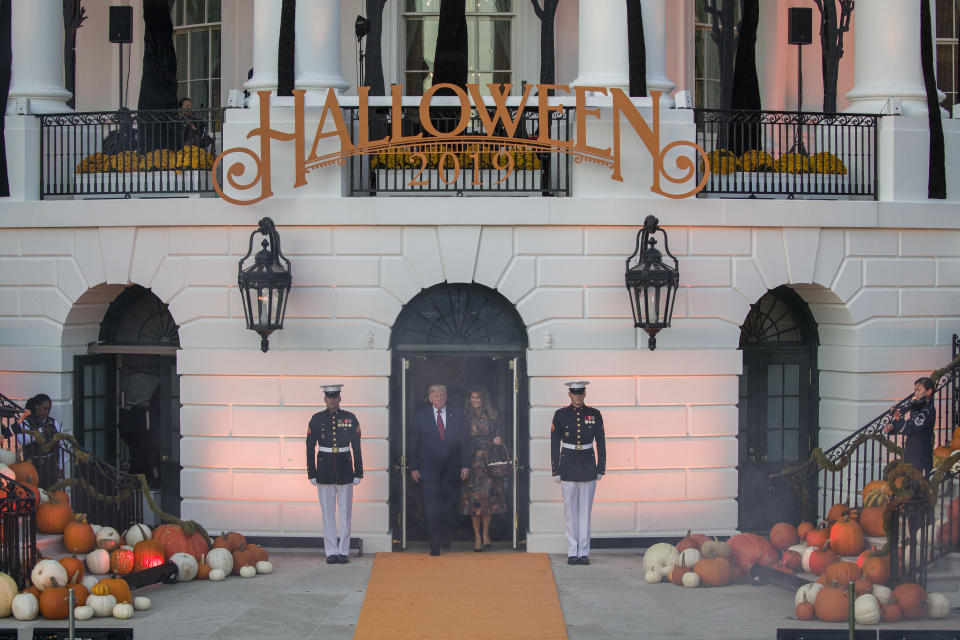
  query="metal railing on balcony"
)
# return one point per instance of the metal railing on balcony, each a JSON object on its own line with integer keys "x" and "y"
{"x": 18, "y": 530}
{"x": 470, "y": 163}
{"x": 129, "y": 153}
{"x": 788, "y": 154}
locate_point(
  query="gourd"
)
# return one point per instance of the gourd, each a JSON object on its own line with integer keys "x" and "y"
{"x": 938, "y": 606}
{"x": 653, "y": 576}
{"x": 791, "y": 560}
{"x": 98, "y": 561}
{"x": 141, "y": 603}
{"x": 203, "y": 569}
{"x": 715, "y": 549}
{"x": 25, "y": 606}
{"x": 816, "y": 560}
{"x": 866, "y": 609}
{"x": 186, "y": 565}
{"x": 842, "y": 572}
{"x": 803, "y": 529}
{"x": 662, "y": 557}
{"x": 121, "y": 561}
{"x": 882, "y": 593}
{"x": 221, "y": 558}
{"x": 804, "y": 610}
{"x": 688, "y": 542}
{"x": 74, "y": 567}
{"x": 102, "y": 605}
{"x": 123, "y": 611}
{"x": 911, "y": 598}
{"x": 108, "y": 538}
{"x": 264, "y": 566}
{"x": 691, "y": 579}
{"x": 247, "y": 571}
{"x": 689, "y": 557}
{"x": 136, "y": 533}
{"x": 83, "y": 612}
{"x": 216, "y": 575}
{"x": 260, "y": 554}
{"x": 8, "y": 591}
{"x": 116, "y": 587}
{"x": 48, "y": 573}
{"x": 807, "y": 592}
{"x": 891, "y": 613}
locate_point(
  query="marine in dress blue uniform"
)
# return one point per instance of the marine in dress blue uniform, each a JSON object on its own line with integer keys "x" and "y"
{"x": 578, "y": 456}
{"x": 332, "y": 436}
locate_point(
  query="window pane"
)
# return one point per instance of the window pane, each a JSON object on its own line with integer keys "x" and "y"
{"x": 178, "y": 13}
{"x": 945, "y": 18}
{"x": 791, "y": 379}
{"x": 198, "y": 93}
{"x": 420, "y": 6}
{"x": 492, "y": 6}
{"x": 215, "y": 94}
{"x": 774, "y": 445}
{"x": 215, "y": 53}
{"x": 180, "y": 44}
{"x": 775, "y": 379}
{"x": 199, "y": 54}
{"x": 774, "y": 413}
{"x": 791, "y": 413}
{"x": 213, "y": 10}
{"x": 791, "y": 444}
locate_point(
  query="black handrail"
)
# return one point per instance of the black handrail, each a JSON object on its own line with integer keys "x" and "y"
{"x": 18, "y": 530}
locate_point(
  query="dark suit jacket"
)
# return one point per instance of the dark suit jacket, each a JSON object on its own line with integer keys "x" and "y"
{"x": 427, "y": 452}
{"x": 919, "y": 427}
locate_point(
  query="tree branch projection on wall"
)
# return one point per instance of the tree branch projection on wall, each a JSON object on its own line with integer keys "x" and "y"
{"x": 831, "y": 45}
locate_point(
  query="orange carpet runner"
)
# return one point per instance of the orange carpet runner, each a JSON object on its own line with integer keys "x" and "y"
{"x": 501, "y": 596}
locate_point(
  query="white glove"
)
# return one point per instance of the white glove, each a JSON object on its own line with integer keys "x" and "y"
{"x": 356, "y": 481}
{"x": 599, "y": 476}
{"x": 313, "y": 481}
{"x": 556, "y": 479}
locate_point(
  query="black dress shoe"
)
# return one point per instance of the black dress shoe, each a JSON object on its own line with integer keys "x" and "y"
{"x": 344, "y": 559}
{"x": 434, "y": 552}
{"x": 583, "y": 560}
{"x": 333, "y": 559}
{"x": 572, "y": 559}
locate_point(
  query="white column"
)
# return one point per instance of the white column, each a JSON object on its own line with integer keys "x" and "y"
{"x": 266, "y": 37}
{"x": 655, "y": 46}
{"x": 887, "y": 57}
{"x": 603, "y": 54}
{"x": 318, "y": 46}
{"x": 37, "y": 71}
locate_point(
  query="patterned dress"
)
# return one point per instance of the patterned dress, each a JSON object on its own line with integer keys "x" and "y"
{"x": 482, "y": 495}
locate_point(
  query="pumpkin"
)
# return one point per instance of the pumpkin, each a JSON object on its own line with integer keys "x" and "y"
{"x": 883, "y": 594}
{"x": 26, "y": 473}
{"x": 866, "y": 609}
{"x": 871, "y": 521}
{"x": 832, "y": 605}
{"x": 911, "y": 598}
{"x": 25, "y": 606}
{"x": 940, "y": 454}
{"x": 265, "y": 566}
{"x": 141, "y": 603}
{"x": 783, "y": 535}
{"x": 260, "y": 554}
{"x": 688, "y": 543}
{"x": 123, "y": 611}
{"x": 32, "y": 589}
{"x": 803, "y": 529}
{"x": 83, "y": 612}
{"x": 186, "y": 565}
{"x": 715, "y": 549}
{"x": 102, "y": 605}
{"x": 804, "y": 610}
{"x": 891, "y": 613}
{"x": 247, "y": 572}
{"x": 90, "y": 581}
{"x": 74, "y": 567}
{"x": 938, "y": 606}
{"x": 48, "y": 573}
{"x": 817, "y": 537}
{"x": 235, "y": 541}
{"x": 837, "y": 511}
{"x": 116, "y": 587}
{"x": 122, "y": 561}
{"x": 689, "y": 557}
{"x": 876, "y": 569}
{"x": 222, "y": 559}
{"x": 842, "y": 572}
{"x": 242, "y": 558}
{"x": 662, "y": 557}
{"x": 750, "y": 549}
{"x": 80, "y": 593}
{"x": 791, "y": 560}
{"x": 807, "y": 592}
{"x": 816, "y": 561}
{"x": 846, "y": 536}
{"x": 53, "y": 517}
{"x": 203, "y": 569}
{"x": 862, "y": 585}
{"x": 690, "y": 579}
{"x": 676, "y": 576}
{"x": 8, "y": 590}
{"x": 147, "y": 554}
{"x": 108, "y": 538}
{"x": 876, "y": 493}
{"x": 136, "y": 533}
{"x": 651, "y": 577}
{"x": 78, "y": 536}
{"x": 714, "y": 572}
{"x": 216, "y": 575}
{"x": 54, "y": 604}
{"x": 98, "y": 561}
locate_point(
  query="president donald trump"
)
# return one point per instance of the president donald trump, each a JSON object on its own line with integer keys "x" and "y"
{"x": 439, "y": 462}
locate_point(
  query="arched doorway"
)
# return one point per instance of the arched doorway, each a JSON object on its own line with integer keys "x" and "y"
{"x": 127, "y": 408}
{"x": 460, "y": 335}
{"x": 778, "y": 398}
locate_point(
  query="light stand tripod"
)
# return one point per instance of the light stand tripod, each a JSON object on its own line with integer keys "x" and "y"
{"x": 361, "y": 28}
{"x": 798, "y": 146}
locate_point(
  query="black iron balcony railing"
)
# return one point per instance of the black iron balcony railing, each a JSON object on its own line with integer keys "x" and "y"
{"x": 788, "y": 153}
{"x": 18, "y": 530}
{"x": 470, "y": 163}
{"x": 126, "y": 153}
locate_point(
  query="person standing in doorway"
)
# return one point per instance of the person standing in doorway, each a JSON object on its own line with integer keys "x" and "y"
{"x": 332, "y": 436}
{"x": 576, "y": 433}
{"x": 439, "y": 462}
{"x": 483, "y": 495}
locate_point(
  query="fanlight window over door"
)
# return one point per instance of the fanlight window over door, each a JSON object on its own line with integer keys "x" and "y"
{"x": 138, "y": 317}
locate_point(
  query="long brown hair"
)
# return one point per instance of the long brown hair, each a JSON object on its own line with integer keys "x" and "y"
{"x": 486, "y": 408}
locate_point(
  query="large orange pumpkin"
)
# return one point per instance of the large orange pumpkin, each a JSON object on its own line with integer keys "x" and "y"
{"x": 846, "y": 537}
{"x": 74, "y": 567}
{"x": 750, "y": 549}
{"x": 54, "y": 603}
{"x": 25, "y": 473}
{"x": 53, "y": 517}
{"x": 803, "y": 529}
{"x": 78, "y": 536}
{"x": 175, "y": 540}
{"x": 820, "y": 559}
{"x": 891, "y": 612}
{"x": 714, "y": 572}
{"x": 80, "y": 593}
{"x": 147, "y": 554}
{"x": 783, "y": 535}
{"x": 832, "y": 604}
{"x": 837, "y": 511}
{"x": 876, "y": 493}
{"x": 842, "y": 572}
{"x": 243, "y": 557}
{"x": 260, "y": 554}
{"x": 871, "y": 520}
{"x": 912, "y": 599}
{"x": 876, "y": 569}
{"x": 817, "y": 537}
{"x": 122, "y": 561}
{"x": 117, "y": 587}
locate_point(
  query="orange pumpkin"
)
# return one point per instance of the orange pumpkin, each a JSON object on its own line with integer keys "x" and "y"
{"x": 60, "y": 496}
{"x": 117, "y": 587}
{"x": 260, "y": 554}
{"x": 78, "y": 536}
{"x": 25, "y": 473}
{"x": 74, "y": 567}
{"x": 805, "y": 610}
{"x": 836, "y": 511}
{"x": 940, "y": 454}
{"x": 676, "y": 575}
{"x": 817, "y": 537}
{"x": 172, "y": 538}
{"x": 203, "y": 569}
{"x": 954, "y": 441}
{"x": 122, "y": 561}
{"x": 686, "y": 543}
{"x": 891, "y": 612}
{"x": 803, "y": 529}
{"x": 846, "y": 537}
{"x": 55, "y": 603}
{"x": 832, "y": 604}
{"x": 80, "y": 594}
{"x": 820, "y": 559}
{"x": 53, "y": 517}
{"x": 791, "y": 560}
{"x": 912, "y": 599}
{"x": 714, "y": 572}
{"x": 32, "y": 589}
{"x": 862, "y": 586}
{"x": 876, "y": 493}
{"x": 842, "y": 572}
{"x": 147, "y": 554}
{"x": 871, "y": 520}
{"x": 783, "y": 535}
{"x": 242, "y": 557}
{"x": 876, "y": 569}
{"x": 235, "y": 541}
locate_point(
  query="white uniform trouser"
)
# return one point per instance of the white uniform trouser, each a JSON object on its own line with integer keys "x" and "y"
{"x": 336, "y": 503}
{"x": 577, "y": 503}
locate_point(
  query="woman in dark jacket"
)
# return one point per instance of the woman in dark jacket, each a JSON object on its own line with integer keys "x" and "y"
{"x": 37, "y": 418}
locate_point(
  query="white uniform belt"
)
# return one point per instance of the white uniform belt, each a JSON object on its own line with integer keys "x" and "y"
{"x": 342, "y": 449}
{"x": 567, "y": 445}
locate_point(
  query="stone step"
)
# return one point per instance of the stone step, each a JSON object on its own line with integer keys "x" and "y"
{"x": 50, "y": 545}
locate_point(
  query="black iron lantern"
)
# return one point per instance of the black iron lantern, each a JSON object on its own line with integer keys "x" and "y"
{"x": 265, "y": 284}
{"x": 652, "y": 285}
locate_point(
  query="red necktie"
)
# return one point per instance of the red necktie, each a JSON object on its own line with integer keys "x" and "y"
{"x": 440, "y": 428}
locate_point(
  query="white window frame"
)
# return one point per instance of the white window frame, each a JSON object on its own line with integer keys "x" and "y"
{"x": 215, "y": 58}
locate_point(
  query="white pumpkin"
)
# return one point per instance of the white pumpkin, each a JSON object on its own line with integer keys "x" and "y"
{"x": 102, "y": 605}
{"x": 799, "y": 548}
{"x": 247, "y": 571}
{"x": 136, "y": 533}
{"x": 186, "y": 565}
{"x": 44, "y": 496}
{"x": 98, "y": 561}
{"x": 691, "y": 579}
{"x": 8, "y": 591}
{"x": 866, "y": 609}
{"x": 90, "y": 581}
{"x": 938, "y": 606}
{"x": 216, "y": 575}
{"x": 141, "y": 603}
{"x": 48, "y": 573}
{"x": 220, "y": 558}
{"x": 810, "y": 590}
{"x": 25, "y": 606}
{"x": 108, "y": 538}
{"x": 123, "y": 611}
{"x": 82, "y": 612}
{"x": 882, "y": 593}
{"x": 653, "y": 576}
{"x": 689, "y": 558}
{"x": 96, "y": 528}
{"x": 7, "y": 457}
{"x": 662, "y": 557}
{"x": 264, "y": 566}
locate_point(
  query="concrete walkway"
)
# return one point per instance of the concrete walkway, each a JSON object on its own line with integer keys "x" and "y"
{"x": 306, "y": 598}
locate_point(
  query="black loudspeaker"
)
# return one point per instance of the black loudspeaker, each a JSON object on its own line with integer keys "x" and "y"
{"x": 121, "y": 25}
{"x": 800, "y": 25}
